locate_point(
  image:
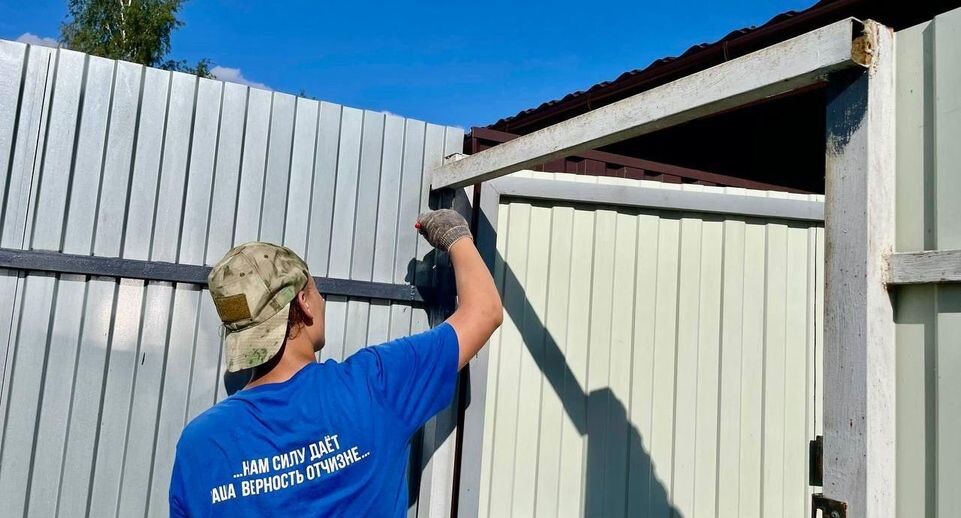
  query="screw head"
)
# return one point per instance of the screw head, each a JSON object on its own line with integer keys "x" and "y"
{"x": 835, "y": 514}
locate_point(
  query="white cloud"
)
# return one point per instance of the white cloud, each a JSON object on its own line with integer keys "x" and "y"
{"x": 234, "y": 75}
{"x": 33, "y": 39}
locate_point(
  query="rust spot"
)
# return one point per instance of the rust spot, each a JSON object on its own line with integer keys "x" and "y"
{"x": 862, "y": 49}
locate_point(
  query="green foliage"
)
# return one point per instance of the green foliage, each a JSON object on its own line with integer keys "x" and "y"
{"x": 131, "y": 30}
{"x": 202, "y": 68}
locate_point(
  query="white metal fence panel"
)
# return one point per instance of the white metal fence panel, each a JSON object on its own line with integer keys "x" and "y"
{"x": 928, "y": 317}
{"x": 652, "y": 362}
{"x": 107, "y": 158}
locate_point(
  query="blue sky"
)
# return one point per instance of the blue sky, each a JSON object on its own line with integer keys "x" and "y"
{"x": 449, "y": 62}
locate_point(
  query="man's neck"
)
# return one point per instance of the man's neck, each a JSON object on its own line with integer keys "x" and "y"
{"x": 296, "y": 355}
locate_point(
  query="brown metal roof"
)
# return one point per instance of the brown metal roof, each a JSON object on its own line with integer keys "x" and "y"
{"x": 894, "y": 13}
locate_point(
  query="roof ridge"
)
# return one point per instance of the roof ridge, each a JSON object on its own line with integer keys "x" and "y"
{"x": 777, "y": 27}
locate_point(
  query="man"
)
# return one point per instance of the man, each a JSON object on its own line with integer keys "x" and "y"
{"x": 322, "y": 439}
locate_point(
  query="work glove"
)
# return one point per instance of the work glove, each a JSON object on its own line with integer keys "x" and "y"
{"x": 442, "y": 228}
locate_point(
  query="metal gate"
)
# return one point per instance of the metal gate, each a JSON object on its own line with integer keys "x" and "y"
{"x": 660, "y": 355}
{"x": 131, "y": 179}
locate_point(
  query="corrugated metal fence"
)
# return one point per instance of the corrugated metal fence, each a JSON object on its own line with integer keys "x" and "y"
{"x": 107, "y": 158}
{"x": 928, "y": 317}
{"x": 652, "y": 362}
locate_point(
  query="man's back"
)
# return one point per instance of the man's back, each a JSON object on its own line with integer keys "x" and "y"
{"x": 333, "y": 440}
{"x": 329, "y": 439}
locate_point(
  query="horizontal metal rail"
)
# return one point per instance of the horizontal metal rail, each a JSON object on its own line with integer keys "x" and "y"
{"x": 57, "y": 262}
{"x": 558, "y": 191}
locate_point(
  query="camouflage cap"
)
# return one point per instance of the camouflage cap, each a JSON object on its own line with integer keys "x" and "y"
{"x": 252, "y": 287}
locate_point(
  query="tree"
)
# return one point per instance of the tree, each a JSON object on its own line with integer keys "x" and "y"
{"x": 132, "y": 30}
{"x": 203, "y": 68}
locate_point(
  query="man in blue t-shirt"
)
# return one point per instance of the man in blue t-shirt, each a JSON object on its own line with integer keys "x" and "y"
{"x": 321, "y": 439}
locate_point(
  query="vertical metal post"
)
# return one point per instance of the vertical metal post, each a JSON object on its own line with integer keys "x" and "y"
{"x": 474, "y": 380}
{"x": 859, "y": 354}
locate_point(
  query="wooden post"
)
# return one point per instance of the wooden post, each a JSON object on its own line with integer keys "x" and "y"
{"x": 859, "y": 354}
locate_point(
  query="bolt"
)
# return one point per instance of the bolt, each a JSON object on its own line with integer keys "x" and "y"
{"x": 835, "y": 514}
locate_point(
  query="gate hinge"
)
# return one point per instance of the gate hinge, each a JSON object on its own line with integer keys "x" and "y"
{"x": 816, "y": 462}
{"x": 829, "y": 508}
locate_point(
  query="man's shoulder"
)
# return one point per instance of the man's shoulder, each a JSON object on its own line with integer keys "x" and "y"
{"x": 206, "y": 426}
{"x": 438, "y": 334}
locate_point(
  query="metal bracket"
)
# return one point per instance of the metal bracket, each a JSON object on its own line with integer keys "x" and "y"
{"x": 816, "y": 462}
{"x": 829, "y": 508}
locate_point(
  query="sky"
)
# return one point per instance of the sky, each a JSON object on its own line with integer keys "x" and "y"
{"x": 451, "y": 63}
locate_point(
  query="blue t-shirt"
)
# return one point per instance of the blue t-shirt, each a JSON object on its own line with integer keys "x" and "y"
{"x": 333, "y": 440}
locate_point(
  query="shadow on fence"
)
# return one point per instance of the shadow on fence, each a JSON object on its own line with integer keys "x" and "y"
{"x": 614, "y": 484}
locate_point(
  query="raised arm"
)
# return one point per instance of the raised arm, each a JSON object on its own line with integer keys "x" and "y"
{"x": 479, "y": 311}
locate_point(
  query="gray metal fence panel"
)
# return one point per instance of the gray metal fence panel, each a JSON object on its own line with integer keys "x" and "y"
{"x": 652, "y": 361}
{"x": 113, "y": 159}
{"x": 928, "y": 316}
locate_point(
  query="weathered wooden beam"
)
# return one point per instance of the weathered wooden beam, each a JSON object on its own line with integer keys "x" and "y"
{"x": 859, "y": 352}
{"x": 785, "y": 66}
{"x": 924, "y": 267}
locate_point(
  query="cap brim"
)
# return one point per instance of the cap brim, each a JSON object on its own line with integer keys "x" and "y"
{"x": 257, "y": 344}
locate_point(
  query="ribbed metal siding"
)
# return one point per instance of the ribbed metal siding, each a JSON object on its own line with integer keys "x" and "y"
{"x": 928, "y": 317}
{"x": 114, "y": 159}
{"x": 651, "y": 363}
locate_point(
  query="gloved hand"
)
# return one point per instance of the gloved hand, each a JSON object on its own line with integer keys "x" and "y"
{"x": 442, "y": 228}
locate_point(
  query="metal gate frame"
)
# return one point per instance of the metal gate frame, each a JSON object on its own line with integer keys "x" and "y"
{"x": 491, "y": 193}
{"x": 856, "y": 60}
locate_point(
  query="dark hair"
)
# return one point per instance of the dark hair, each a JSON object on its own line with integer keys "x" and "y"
{"x": 295, "y": 320}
